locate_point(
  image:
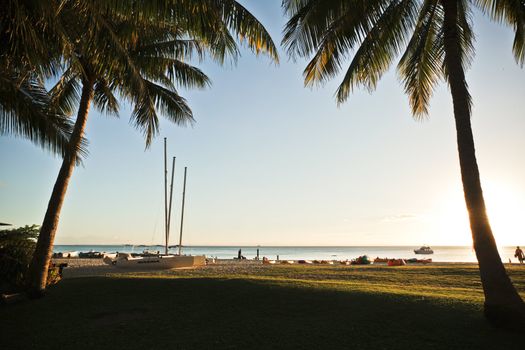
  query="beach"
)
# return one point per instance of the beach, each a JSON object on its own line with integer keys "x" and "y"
{"x": 78, "y": 267}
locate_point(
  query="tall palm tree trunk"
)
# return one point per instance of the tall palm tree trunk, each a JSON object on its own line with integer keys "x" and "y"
{"x": 502, "y": 302}
{"x": 39, "y": 266}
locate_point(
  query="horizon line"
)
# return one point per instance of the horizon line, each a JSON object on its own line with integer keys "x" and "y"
{"x": 268, "y": 246}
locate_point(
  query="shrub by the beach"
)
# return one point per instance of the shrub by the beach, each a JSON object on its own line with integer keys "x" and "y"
{"x": 16, "y": 250}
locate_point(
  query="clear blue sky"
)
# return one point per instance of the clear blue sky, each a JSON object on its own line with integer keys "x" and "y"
{"x": 273, "y": 163}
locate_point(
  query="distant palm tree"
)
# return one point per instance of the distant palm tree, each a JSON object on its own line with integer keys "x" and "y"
{"x": 437, "y": 39}
{"x": 138, "y": 51}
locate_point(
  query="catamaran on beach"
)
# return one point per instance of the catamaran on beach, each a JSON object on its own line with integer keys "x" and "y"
{"x": 161, "y": 261}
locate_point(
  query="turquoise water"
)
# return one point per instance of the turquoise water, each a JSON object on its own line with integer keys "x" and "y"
{"x": 442, "y": 254}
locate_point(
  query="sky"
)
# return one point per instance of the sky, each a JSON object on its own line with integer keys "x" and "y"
{"x": 271, "y": 162}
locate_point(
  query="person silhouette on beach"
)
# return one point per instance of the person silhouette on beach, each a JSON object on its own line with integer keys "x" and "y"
{"x": 519, "y": 254}
{"x": 239, "y": 254}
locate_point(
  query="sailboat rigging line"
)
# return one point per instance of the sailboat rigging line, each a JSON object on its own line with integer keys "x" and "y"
{"x": 165, "y": 197}
{"x": 158, "y": 211}
{"x": 182, "y": 211}
{"x": 171, "y": 199}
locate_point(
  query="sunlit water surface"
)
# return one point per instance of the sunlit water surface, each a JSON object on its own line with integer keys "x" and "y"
{"x": 441, "y": 253}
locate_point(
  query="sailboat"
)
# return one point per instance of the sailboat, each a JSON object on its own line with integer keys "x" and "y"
{"x": 166, "y": 260}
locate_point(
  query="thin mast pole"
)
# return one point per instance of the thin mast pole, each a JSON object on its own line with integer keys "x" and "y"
{"x": 171, "y": 198}
{"x": 182, "y": 213}
{"x": 165, "y": 196}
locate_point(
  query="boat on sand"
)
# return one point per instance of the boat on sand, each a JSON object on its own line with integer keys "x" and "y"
{"x": 155, "y": 260}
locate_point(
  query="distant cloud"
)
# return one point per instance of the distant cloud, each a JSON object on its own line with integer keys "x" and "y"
{"x": 399, "y": 218}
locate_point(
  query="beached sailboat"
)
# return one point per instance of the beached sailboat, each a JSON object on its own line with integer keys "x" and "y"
{"x": 158, "y": 262}
{"x": 166, "y": 260}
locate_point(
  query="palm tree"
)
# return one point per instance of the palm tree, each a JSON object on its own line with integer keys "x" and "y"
{"x": 139, "y": 52}
{"x": 28, "y": 55}
{"x": 436, "y": 41}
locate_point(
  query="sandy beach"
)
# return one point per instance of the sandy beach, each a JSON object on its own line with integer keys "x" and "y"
{"x": 77, "y": 267}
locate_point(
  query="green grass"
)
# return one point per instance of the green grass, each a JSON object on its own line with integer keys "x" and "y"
{"x": 293, "y": 307}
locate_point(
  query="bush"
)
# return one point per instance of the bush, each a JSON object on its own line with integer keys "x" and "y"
{"x": 16, "y": 250}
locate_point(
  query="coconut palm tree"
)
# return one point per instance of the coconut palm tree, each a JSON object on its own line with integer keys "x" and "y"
{"x": 29, "y": 54}
{"x": 435, "y": 41}
{"x": 138, "y": 51}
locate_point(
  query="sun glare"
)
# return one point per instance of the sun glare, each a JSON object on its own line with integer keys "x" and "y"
{"x": 504, "y": 206}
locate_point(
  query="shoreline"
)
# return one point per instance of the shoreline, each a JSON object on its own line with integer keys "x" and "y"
{"x": 441, "y": 254}
{"x": 82, "y": 262}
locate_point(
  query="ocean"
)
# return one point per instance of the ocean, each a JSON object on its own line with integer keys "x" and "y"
{"x": 441, "y": 253}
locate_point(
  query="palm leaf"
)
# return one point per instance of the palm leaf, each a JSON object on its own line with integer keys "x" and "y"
{"x": 104, "y": 99}
{"x": 65, "y": 95}
{"x": 511, "y": 12}
{"x": 379, "y": 48}
{"x": 421, "y": 65}
{"x": 169, "y": 103}
{"x": 26, "y": 111}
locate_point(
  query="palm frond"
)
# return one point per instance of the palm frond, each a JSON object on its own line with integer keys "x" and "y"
{"x": 170, "y": 104}
{"x": 315, "y": 21}
{"x": 175, "y": 48}
{"x": 333, "y": 29}
{"x": 510, "y": 12}
{"x": 105, "y": 100}
{"x": 466, "y": 34}
{"x": 421, "y": 65}
{"x": 27, "y": 38}
{"x": 26, "y": 111}
{"x": 463, "y": 49}
{"x": 172, "y": 72}
{"x": 247, "y": 28}
{"x": 167, "y": 102}
{"x": 379, "y": 48}
{"x": 108, "y": 37}
{"x": 65, "y": 95}
{"x": 144, "y": 117}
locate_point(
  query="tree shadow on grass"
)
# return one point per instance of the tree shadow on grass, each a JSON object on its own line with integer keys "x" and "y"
{"x": 113, "y": 313}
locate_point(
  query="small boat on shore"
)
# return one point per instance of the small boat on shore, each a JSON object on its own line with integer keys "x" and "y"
{"x": 419, "y": 261}
{"x": 157, "y": 262}
{"x": 66, "y": 255}
{"x": 396, "y": 262}
{"x": 424, "y": 250}
{"x": 91, "y": 255}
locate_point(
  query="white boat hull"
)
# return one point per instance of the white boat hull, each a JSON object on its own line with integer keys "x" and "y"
{"x": 158, "y": 262}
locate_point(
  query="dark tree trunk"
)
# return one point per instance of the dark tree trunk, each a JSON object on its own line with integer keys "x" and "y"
{"x": 503, "y": 305}
{"x": 39, "y": 266}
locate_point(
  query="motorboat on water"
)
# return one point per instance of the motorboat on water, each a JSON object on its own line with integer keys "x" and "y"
{"x": 424, "y": 250}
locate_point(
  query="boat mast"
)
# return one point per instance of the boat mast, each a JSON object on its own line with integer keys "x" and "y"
{"x": 171, "y": 200}
{"x": 165, "y": 197}
{"x": 182, "y": 213}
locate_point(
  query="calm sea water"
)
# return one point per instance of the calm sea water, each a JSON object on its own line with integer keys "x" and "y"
{"x": 441, "y": 254}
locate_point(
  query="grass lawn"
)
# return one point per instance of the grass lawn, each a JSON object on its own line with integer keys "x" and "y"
{"x": 262, "y": 307}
